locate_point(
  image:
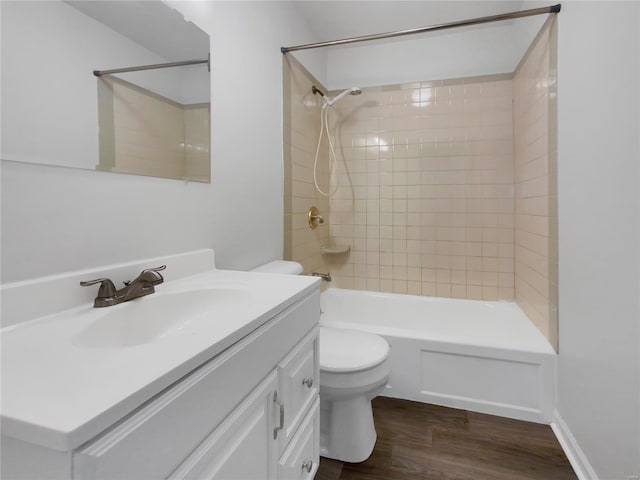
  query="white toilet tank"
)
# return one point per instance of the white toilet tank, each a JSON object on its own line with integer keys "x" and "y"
{"x": 280, "y": 266}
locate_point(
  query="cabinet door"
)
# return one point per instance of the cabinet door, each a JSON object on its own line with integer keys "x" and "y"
{"x": 243, "y": 446}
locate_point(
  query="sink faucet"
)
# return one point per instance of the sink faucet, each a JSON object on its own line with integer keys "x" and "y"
{"x": 142, "y": 285}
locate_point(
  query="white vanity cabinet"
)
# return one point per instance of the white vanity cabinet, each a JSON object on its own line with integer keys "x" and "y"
{"x": 273, "y": 433}
{"x": 250, "y": 412}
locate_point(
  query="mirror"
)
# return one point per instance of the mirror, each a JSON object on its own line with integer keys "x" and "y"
{"x": 55, "y": 111}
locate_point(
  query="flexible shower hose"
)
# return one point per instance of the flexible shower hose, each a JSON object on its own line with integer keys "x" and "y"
{"x": 324, "y": 125}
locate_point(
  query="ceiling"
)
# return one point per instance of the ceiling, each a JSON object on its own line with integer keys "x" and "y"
{"x": 152, "y": 24}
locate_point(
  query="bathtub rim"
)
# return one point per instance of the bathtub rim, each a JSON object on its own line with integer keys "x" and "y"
{"x": 542, "y": 347}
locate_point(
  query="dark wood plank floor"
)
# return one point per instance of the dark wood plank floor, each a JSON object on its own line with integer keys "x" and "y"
{"x": 422, "y": 441}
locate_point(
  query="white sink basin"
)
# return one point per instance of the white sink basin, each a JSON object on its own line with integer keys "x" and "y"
{"x": 157, "y": 316}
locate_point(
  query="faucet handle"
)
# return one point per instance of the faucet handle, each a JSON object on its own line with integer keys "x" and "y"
{"x": 326, "y": 277}
{"x": 152, "y": 276}
{"x": 107, "y": 288}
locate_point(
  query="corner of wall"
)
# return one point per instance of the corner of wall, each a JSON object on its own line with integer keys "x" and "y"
{"x": 535, "y": 173}
{"x": 577, "y": 458}
{"x": 301, "y": 130}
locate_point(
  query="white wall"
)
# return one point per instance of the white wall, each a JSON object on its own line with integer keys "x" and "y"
{"x": 598, "y": 114}
{"x": 195, "y": 86}
{"x": 479, "y": 50}
{"x": 57, "y": 219}
{"x": 440, "y": 55}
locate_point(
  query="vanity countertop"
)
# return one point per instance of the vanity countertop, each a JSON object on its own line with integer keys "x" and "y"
{"x": 59, "y": 389}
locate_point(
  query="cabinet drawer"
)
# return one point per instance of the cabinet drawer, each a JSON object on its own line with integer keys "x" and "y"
{"x": 301, "y": 459}
{"x": 155, "y": 439}
{"x": 298, "y": 379}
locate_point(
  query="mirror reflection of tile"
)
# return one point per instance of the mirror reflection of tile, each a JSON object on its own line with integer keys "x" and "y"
{"x": 143, "y": 133}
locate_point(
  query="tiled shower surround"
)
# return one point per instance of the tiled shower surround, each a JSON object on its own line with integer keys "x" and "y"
{"x": 433, "y": 196}
{"x": 426, "y": 189}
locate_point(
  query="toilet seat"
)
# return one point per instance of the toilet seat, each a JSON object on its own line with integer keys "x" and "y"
{"x": 350, "y": 351}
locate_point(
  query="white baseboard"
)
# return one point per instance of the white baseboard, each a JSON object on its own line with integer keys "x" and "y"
{"x": 574, "y": 453}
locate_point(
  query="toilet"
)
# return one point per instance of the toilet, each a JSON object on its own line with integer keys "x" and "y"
{"x": 354, "y": 369}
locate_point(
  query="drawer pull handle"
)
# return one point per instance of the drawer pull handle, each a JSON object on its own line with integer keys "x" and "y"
{"x": 308, "y": 465}
{"x": 281, "y": 405}
{"x": 308, "y": 382}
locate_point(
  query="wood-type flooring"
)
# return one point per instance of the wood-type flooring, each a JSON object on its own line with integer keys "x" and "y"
{"x": 421, "y": 441}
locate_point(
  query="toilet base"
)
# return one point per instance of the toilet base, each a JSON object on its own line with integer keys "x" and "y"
{"x": 347, "y": 432}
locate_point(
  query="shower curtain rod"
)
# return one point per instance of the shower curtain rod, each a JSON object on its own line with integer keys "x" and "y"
{"x": 99, "y": 73}
{"x": 433, "y": 28}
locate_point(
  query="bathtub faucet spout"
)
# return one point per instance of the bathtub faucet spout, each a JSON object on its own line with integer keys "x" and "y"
{"x": 326, "y": 277}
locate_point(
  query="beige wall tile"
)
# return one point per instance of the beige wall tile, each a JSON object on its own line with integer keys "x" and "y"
{"x": 149, "y": 135}
{"x": 535, "y": 171}
{"x": 301, "y": 243}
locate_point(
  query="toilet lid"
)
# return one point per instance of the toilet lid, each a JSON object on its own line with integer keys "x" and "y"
{"x": 343, "y": 350}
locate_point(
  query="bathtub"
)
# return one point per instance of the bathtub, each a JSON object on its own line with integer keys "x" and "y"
{"x": 476, "y": 355}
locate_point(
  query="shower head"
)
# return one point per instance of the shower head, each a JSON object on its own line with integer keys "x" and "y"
{"x": 340, "y": 96}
